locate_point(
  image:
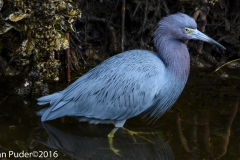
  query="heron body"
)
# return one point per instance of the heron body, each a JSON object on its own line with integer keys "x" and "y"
{"x": 132, "y": 82}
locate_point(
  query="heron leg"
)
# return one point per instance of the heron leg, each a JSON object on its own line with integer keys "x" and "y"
{"x": 110, "y": 141}
{"x": 118, "y": 124}
{"x": 131, "y": 133}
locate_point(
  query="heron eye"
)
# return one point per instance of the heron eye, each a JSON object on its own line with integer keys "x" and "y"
{"x": 187, "y": 30}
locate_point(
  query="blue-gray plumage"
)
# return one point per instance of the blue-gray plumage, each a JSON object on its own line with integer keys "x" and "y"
{"x": 132, "y": 82}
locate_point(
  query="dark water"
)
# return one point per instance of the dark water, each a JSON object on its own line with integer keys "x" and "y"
{"x": 203, "y": 124}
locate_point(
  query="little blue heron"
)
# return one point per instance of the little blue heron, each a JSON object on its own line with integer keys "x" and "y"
{"x": 132, "y": 82}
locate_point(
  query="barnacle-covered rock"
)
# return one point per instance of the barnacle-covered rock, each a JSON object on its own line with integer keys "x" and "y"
{"x": 5, "y": 27}
{"x": 44, "y": 24}
{"x": 27, "y": 87}
{"x": 49, "y": 69}
{"x": 17, "y": 16}
{"x": 27, "y": 45}
{"x": 212, "y": 2}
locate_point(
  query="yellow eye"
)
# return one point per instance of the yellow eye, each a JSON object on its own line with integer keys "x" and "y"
{"x": 187, "y": 30}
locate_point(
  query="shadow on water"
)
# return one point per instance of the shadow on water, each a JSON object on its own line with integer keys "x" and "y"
{"x": 203, "y": 124}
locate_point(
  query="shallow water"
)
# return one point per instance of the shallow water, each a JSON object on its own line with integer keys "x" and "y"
{"x": 203, "y": 124}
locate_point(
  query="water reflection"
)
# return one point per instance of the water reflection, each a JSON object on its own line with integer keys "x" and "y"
{"x": 206, "y": 117}
{"x": 91, "y": 142}
{"x": 203, "y": 124}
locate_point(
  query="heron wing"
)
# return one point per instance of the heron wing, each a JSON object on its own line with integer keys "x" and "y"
{"x": 119, "y": 88}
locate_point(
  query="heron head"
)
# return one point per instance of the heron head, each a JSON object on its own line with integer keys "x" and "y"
{"x": 181, "y": 26}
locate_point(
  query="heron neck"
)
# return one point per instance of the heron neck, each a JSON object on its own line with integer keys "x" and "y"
{"x": 175, "y": 56}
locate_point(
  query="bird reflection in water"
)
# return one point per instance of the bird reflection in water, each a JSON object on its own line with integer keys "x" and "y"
{"x": 90, "y": 142}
